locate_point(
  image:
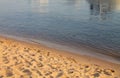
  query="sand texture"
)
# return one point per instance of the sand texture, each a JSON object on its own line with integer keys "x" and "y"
{"x": 26, "y": 60}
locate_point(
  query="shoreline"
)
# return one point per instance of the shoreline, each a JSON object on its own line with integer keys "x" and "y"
{"x": 81, "y": 50}
{"x": 23, "y": 51}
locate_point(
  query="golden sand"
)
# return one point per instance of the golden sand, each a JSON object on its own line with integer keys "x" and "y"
{"x": 19, "y": 59}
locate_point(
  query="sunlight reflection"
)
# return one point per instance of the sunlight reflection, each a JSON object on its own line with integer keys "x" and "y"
{"x": 117, "y": 4}
{"x": 39, "y": 6}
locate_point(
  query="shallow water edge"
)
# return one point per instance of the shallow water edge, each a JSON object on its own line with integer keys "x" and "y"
{"x": 81, "y": 50}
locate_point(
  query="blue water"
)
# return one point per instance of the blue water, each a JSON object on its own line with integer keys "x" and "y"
{"x": 95, "y": 23}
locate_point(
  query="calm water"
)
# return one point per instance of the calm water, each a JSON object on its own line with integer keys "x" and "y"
{"x": 73, "y": 22}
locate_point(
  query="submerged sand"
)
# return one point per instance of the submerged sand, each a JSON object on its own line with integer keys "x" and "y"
{"x": 19, "y": 59}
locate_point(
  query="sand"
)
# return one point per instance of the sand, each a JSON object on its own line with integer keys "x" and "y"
{"x": 19, "y": 59}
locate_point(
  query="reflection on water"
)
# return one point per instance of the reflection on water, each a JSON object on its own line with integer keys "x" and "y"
{"x": 39, "y": 6}
{"x": 101, "y": 8}
{"x": 64, "y": 21}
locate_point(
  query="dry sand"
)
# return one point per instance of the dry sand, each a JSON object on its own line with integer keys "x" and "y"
{"x": 19, "y": 59}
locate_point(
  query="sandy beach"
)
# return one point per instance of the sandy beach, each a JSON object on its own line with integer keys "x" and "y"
{"x": 19, "y": 59}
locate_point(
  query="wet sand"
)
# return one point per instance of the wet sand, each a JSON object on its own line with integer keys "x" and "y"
{"x": 19, "y": 59}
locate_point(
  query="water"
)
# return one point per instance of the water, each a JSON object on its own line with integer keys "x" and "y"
{"x": 94, "y": 23}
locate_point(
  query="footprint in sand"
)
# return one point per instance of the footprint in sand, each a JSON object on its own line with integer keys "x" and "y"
{"x": 59, "y": 74}
{"x": 1, "y": 42}
{"x": 5, "y": 60}
{"x": 27, "y": 71}
{"x": 9, "y": 72}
